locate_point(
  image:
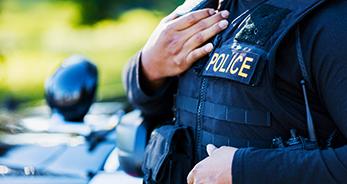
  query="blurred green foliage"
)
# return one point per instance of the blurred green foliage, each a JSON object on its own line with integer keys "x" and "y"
{"x": 36, "y": 36}
{"x": 93, "y": 11}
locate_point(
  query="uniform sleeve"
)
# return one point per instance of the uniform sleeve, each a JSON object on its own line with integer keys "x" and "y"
{"x": 158, "y": 103}
{"x": 325, "y": 51}
{"x": 281, "y": 167}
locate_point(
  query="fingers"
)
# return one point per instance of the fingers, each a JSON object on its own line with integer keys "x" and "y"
{"x": 199, "y": 53}
{"x": 201, "y": 37}
{"x": 191, "y": 18}
{"x": 204, "y": 24}
{"x": 210, "y": 148}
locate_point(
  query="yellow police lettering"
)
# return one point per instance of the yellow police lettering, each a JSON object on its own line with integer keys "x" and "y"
{"x": 245, "y": 66}
{"x": 234, "y": 70}
{"x": 213, "y": 60}
{"x": 231, "y": 62}
{"x": 220, "y": 58}
{"x": 222, "y": 69}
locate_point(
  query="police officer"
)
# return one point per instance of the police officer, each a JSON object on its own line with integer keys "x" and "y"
{"x": 234, "y": 77}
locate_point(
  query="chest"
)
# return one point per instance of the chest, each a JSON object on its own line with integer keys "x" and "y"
{"x": 234, "y": 91}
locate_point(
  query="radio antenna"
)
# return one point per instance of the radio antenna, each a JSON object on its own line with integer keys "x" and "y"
{"x": 310, "y": 125}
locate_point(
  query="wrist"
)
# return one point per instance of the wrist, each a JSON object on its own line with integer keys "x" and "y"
{"x": 149, "y": 68}
{"x": 150, "y": 76}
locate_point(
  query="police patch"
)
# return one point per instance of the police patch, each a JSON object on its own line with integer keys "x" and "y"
{"x": 233, "y": 61}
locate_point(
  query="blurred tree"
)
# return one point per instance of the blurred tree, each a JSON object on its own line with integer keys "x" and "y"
{"x": 94, "y": 10}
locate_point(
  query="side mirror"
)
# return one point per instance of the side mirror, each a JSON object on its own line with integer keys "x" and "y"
{"x": 131, "y": 136}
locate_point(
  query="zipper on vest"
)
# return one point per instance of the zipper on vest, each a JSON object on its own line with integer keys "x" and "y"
{"x": 199, "y": 119}
{"x": 202, "y": 96}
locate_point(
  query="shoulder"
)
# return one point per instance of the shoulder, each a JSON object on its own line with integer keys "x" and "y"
{"x": 329, "y": 21}
{"x": 324, "y": 32}
{"x": 324, "y": 40}
{"x": 330, "y": 9}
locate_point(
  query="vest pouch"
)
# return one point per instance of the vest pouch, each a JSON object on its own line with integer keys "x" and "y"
{"x": 168, "y": 156}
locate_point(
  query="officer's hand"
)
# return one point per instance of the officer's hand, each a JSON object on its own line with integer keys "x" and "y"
{"x": 215, "y": 169}
{"x": 178, "y": 42}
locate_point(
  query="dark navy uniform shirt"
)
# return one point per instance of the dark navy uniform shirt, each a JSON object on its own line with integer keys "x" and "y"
{"x": 324, "y": 44}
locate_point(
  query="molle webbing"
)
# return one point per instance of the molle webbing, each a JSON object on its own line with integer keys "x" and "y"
{"x": 220, "y": 140}
{"x": 225, "y": 113}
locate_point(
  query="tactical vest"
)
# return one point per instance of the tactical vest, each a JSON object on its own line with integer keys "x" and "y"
{"x": 227, "y": 97}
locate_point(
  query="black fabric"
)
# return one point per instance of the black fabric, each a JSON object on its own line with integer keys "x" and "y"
{"x": 324, "y": 40}
{"x": 261, "y": 24}
{"x": 150, "y": 103}
{"x": 323, "y": 45}
{"x": 168, "y": 156}
{"x": 300, "y": 57}
{"x": 228, "y": 93}
{"x": 226, "y": 113}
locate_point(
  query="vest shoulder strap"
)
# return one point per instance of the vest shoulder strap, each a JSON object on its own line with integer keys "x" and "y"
{"x": 298, "y": 9}
{"x": 268, "y": 24}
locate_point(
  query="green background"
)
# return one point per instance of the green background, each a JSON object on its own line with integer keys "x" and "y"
{"x": 37, "y": 35}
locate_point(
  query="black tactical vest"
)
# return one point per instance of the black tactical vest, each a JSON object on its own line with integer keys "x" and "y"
{"x": 227, "y": 98}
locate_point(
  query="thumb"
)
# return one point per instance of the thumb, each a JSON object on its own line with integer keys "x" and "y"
{"x": 210, "y": 148}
